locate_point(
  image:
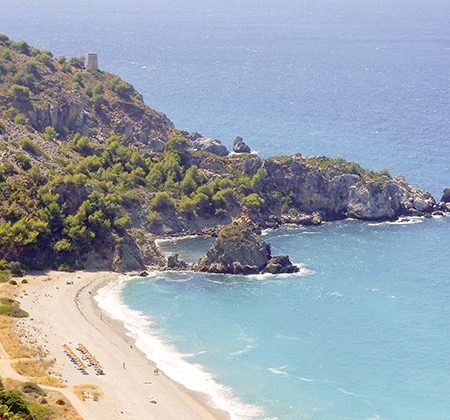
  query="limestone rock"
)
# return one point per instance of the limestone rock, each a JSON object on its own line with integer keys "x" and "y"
{"x": 239, "y": 250}
{"x": 239, "y": 146}
{"x": 210, "y": 145}
{"x": 298, "y": 218}
{"x": 280, "y": 264}
{"x": 174, "y": 263}
{"x": 126, "y": 255}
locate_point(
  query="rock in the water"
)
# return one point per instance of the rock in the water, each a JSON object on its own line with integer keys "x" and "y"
{"x": 239, "y": 146}
{"x": 239, "y": 250}
{"x": 174, "y": 263}
{"x": 446, "y": 195}
{"x": 209, "y": 145}
{"x": 280, "y": 264}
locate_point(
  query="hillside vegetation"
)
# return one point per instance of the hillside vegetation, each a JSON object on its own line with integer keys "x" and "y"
{"x": 89, "y": 173}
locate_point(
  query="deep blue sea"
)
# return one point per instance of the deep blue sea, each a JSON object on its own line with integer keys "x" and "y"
{"x": 364, "y": 333}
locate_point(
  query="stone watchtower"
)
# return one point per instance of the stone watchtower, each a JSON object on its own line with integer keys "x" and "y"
{"x": 92, "y": 61}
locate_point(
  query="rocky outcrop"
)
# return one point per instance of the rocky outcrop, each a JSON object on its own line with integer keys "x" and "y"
{"x": 446, "y": 195}
{"x": 297, "y": 218}
{"x": 149, "y": 251}
{"x": 280, "y": 264}
{"x": 175, "y": 263}
{"x": 239, "y": 146}
{"x": 63, "y": 116}
{"x": 338, "y": 193}
{"x": 210, "y": 145}
{"x": 239, "y": 250}
{"x": 126, "y": 255}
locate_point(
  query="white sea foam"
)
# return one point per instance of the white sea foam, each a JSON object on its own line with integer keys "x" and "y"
{"x": 303, "y": 271}
{"x": 401, "y": 221}
{"x": 167, "y": 358}
{"x": 279, "y": 371}
{"x": 175, "y": 239}
{"x": 240, "y": 352}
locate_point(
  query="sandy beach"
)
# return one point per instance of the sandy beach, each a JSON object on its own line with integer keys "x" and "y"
{"x": 64, "y": 313}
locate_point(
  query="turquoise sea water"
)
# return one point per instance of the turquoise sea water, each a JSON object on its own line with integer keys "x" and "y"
{"x": 364, "y": 334}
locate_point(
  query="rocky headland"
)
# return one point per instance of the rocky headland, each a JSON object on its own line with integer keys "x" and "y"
{"x": 90, "y": 176}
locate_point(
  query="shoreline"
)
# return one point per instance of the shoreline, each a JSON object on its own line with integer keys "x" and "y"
{"x": 129, "y": 389}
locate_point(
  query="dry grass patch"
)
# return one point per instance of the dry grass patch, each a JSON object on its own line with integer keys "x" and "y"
{"x": 87, "y": 392}
{"x": 25, "y": 360}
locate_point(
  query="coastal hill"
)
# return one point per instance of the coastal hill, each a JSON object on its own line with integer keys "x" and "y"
{"x": 89, "y": 174}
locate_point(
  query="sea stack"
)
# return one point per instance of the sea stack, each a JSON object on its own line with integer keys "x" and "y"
{"x": 239, "y": 250}
{"x": 239, "y": 146}
{"x": 92, "y": 61}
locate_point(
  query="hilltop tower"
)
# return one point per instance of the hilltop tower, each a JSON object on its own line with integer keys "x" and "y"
{"x": 92, "y": 61}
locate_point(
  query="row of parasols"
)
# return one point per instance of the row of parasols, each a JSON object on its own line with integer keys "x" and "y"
{"x": 87, "y": 357}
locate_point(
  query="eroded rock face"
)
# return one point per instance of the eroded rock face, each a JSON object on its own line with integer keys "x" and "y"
{"x": 175, "y": 263}
{"x": 239, "y": 250}
{"x": 70, "y": 115}
{"x": 239, "y": 146}
{"x": 126, "y": 255}
{"x": 340, "y": 195}
{"x": 280, "y": 264}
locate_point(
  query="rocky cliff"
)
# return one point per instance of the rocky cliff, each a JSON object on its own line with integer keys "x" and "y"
{"x": 85, "y": 165}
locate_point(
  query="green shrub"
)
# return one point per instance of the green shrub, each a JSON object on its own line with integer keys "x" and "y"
{"x": 46, "y": 58}
{"x": 66, "y": 68}
{"x": 50, "y": 134}
{"x": 20, "y": 119}
{"x": 24, "y": 281}
{"x": 122, "y": 88}
{"x": 16, "y": 269}
{"x": 122, "y": 222}
{"x": 77, "y": 79}
{"x": 13, "y": 282}
{"x": 24, "y": 79}
{"x": 77, "y": 62}
{"x": 385, "y": 172}
{"x": 19, "y": 92}
{"x": 23, "y": 161}
{"x": 32, "y": 388}
{"x": 5, "y": 275}
{"x": 63, "y": 245}
{"x": 30, "y": 147}
{"x": 4, "y": 40}
{"x": 33, "y": 68}
{"x": 162, "y": 201}
{"x": 154, "y": 220}
{"x": 2, "y": 128}
{"x": 186, "y": 206}
{"x": 66, "y": 267}
{"x": 253, "y": 201}
{"x": 83, "y": 145}
{"x": 12, "y": 309}
{"x": 10, "y": 113}
{"x": 22, "y": 47}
